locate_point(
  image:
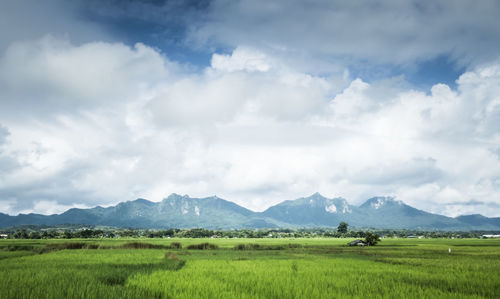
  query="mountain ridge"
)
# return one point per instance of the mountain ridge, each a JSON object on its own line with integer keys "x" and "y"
{"x": 183, "y": 211}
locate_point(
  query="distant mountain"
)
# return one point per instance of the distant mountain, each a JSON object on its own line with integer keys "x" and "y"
{"x": 211, "y": 212}
{"x": 178, "y": 211}
{"x": 314, "y": 210}
{"x": 386, "y": 212}
{"x": 477, "y": 221}
{"x": 174, "y": 211}
{"x": 376, "y": 212}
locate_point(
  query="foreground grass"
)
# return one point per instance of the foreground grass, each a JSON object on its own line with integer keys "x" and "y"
{"x": 300, "y": 268}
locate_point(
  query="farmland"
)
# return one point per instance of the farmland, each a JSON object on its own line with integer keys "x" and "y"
{"x": 249, "y": 268}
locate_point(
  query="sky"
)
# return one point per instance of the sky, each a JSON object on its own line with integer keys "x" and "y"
{"x": 105, "y": 101}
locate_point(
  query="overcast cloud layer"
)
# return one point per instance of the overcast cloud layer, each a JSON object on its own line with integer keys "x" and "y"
{"x": 280, "y": 111}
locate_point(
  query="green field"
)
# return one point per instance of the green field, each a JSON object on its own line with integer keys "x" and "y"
{"x": 250, "y": 268}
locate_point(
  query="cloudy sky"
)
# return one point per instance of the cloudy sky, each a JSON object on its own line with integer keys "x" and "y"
{"x": 103, "y": 101}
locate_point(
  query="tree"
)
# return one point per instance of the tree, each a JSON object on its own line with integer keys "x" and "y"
{"x": 35, "y": 235}
{"x": 21, "y": 234}
{"x": 86, "y": 233}
{"x": 371, "y": 239}
{"x": 342, "y": 228}
{"x": 68, "y": 234}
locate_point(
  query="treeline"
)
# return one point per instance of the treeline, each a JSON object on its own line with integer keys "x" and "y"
{"x": 33, "y": 232}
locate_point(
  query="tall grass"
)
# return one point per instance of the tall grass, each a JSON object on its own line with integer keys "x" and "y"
{"x": 253, "y": 269}
{"x": 203, "y": 246}
{"x": 254, "y": 246}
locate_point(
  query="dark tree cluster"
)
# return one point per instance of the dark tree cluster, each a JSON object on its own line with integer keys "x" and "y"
{"x": 342, "y": 231}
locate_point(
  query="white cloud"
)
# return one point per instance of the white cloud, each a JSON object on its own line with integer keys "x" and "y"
{"x": 31, "y": 19}
{"x": 110, "y": 123}
{"x": 356, "y": 33}
{"x": 242, "y": 59}
{"x": 4, "y": 133}
{"x": 236, "y": 86}
{"x": 49, "y": 207}
{"x": 54, "y": 75}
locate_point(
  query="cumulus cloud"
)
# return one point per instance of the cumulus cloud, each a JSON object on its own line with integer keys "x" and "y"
{"x": 31, "y": 19}
{"x": 241, "y": 59}
{"x": 54, "y": 75}
{"x": 374, "y": 32}
{"x": 6, "y": 162}
{"x": 3, "y": 134}
{"x": 111, "y": 122}
{"x": 245, "y": 83}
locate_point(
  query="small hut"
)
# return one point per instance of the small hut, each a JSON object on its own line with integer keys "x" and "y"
{"x": 357, "y": 243}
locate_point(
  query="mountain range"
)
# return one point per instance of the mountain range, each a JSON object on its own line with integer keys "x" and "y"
{"x": 177, "y": 211}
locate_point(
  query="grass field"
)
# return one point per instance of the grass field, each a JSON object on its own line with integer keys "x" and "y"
{"x": 249, "y": 268}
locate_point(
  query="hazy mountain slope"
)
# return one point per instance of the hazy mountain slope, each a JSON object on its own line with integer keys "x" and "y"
{"x": 210, "y": 212}
{"x": 174, "y": 211}
{"x": 480, "y": 222}
{"x": 178, "y": 211}
{"x": 315, "y": 210}
{"x": 386, "y": 212}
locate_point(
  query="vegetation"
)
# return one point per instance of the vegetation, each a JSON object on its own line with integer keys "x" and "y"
{"x": 343, "y": 231}
{"x": 249, "y": 268}
{"x": 203, "y": 246}
{"x": 371, "y": 239}
{"x": 342, "y": 228}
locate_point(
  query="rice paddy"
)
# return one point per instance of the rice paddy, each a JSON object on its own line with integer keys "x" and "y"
{"x": 249, "y": 268}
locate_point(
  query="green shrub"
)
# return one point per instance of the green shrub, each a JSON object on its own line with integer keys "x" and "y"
{"x": 203, "y": 246}
{"x": 19, "y": 248}
{"x": 139, "y": 245}
{"x": 176, "y": 245}
{"x": 253, "y": 246}
{"x": 170, "y": 256}
{"x": 371, "y": 239}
